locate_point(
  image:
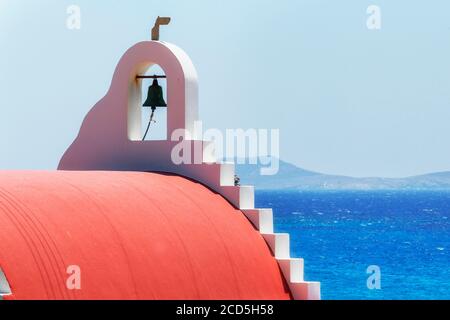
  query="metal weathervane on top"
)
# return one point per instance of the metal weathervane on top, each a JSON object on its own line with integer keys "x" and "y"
{"x": 155, "y": 97}
{"x": 160, "y": 21}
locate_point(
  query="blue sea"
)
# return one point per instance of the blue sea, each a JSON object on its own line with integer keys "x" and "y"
{"x": 341, "y": 233}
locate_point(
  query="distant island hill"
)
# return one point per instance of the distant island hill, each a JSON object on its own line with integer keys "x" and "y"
{"x": 293, "y": 177}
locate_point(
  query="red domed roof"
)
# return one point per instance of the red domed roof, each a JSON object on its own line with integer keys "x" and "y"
{"x": 134, "y": 236}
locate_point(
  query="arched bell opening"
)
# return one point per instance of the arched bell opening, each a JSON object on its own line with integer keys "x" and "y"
{"x": 147, "y": 105}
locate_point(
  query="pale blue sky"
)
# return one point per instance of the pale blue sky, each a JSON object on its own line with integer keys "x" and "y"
{"x": 347, "y": 100}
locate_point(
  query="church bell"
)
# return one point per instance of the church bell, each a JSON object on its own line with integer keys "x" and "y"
{"x": 155, "y": 98}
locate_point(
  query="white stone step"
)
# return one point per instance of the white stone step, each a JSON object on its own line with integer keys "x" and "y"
{"x": 214, "y": 175}
{"x": 305, "y": 290}
{"x": 279, "y": 244}
{"x": 227, "y": 172}
{"x": 293, "y": 269}
{"x": 262, "y": 219}
{"x": 242, "y": 197}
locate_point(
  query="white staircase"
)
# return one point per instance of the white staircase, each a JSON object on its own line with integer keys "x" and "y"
{"x": 242, "y": 197}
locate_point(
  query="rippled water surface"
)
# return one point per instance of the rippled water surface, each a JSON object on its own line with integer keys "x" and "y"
{"x": 340, "y": 234}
